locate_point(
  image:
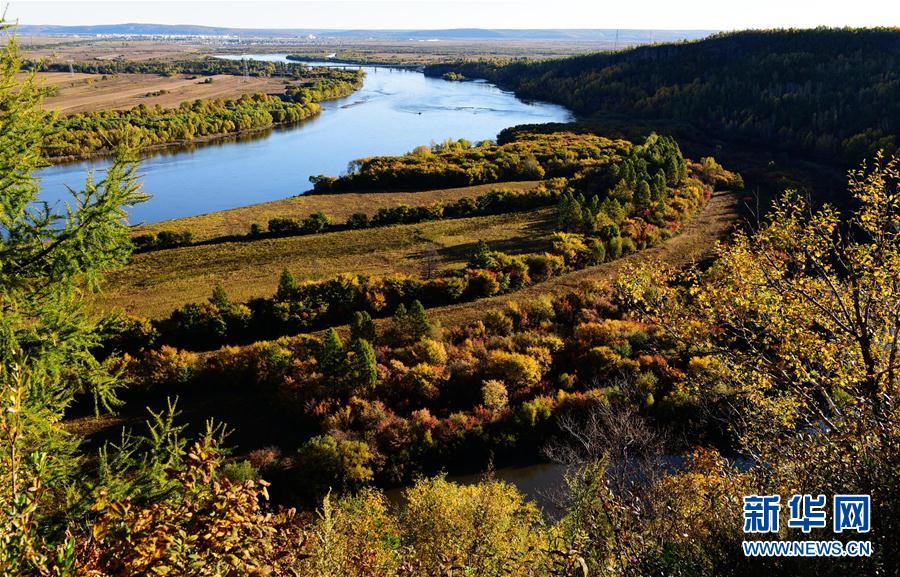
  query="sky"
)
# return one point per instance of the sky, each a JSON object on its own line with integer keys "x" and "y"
{"x": 439, "y": 14}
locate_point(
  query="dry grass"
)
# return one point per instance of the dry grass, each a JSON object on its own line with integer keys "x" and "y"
{"x": 155, "y": 283}
{"x": 91, "y": 92}
{"x": 714, "y": 223}
{"x": 78, "y": 48}
{"x": 61, "y": 49}
{"x": 338, "y": 207}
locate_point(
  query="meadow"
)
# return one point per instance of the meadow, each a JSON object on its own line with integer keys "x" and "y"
{"x": 155, "y": 283}
{"x": 338, "y": 208}
{"x": 80, "y": 92}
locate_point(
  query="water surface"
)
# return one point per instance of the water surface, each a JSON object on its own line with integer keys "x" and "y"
{"x": 395, "y": 111}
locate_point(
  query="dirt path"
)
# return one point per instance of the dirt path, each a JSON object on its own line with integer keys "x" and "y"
{"x": 713, "y": 223}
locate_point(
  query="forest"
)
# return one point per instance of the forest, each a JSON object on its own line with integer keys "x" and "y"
{"x": 830, "y": 93}
{"x": 768, "y": 365}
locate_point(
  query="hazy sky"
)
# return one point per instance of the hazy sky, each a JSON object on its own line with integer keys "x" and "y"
{"x": 432, "y": 14}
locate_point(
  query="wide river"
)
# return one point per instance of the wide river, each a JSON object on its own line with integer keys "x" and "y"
{"x": 395, "y": 111}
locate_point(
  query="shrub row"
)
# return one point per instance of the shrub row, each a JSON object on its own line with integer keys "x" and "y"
{"x": 161, "y": 240}
{"x": 496, "y": 201}
{"x": 95, "y": 132}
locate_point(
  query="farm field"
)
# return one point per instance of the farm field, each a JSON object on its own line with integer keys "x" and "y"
{"x": 358, "y": 49}
{"x": 63, "y": 48}
{"x": 78, "y": 92}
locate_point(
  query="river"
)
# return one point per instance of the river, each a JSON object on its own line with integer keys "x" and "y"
{"x": 395, "y": 111}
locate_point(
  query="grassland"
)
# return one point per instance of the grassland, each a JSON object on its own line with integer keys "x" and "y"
{"x": 695, "y": 242}
{"x": 155, "y": 283}
{"x": 338, "y": 207}
{"x": 73, "y": 93}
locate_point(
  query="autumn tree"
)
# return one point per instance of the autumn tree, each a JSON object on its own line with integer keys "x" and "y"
{"x": 209, "y": 525}
{"x": 801, "y": 318}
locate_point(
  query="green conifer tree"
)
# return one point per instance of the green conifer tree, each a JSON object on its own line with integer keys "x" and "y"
{"x": 287, "y": 286}
{"x": 363, "y": 372}
{"x": 418, "y": 323}
{"x": 362, "y": 327}
{"x": 332, "y": 358}
{"x": 50, "y": 264}
{"x": 659, "y": 187}
{"x": 482, "y": 256}
{"x": 219, "y": 298}
{"x": 642, "y": 196}
{"x": 570, "y": 216}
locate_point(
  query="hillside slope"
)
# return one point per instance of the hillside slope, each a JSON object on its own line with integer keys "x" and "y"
{"x": 830, "y": 93}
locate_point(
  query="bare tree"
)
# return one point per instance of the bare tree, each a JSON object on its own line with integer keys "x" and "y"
{"x": 613, "y": 458}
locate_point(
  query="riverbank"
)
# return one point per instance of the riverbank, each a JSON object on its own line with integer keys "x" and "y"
{"x": 175, "y": 145}
{"x": 401, "y": 110}
{"x": 358, "y": 62}
{"x": 82, "y": 136}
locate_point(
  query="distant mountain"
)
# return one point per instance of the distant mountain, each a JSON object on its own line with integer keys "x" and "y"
{"x": 571, "y": 35}
{"x": 135, "y": 29}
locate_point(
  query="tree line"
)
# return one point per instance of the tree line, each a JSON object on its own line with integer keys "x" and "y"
{"x": 496, "y": 201}
{"x": 206, "y": 66}
{"x": 528, "y": 155}
{"x": 98, "y": 132}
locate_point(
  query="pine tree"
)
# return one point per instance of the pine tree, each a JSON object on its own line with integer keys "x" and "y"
{"x": 219, "y": 298}
{"x": 332, "y": 357}
{"x": 642, "y": 196}
{"x": 50, "y": 264}
{"x": 418, "y": 323}
{"x": 659, "y": 186}
{"x": 287, "y": 286}
{"x": 570, "y": 216}
{"x": 482, "y": 256}
{"x": 400, "y": 318}
{"x": 363, "y": 371}
{"x": 362, "y": 327}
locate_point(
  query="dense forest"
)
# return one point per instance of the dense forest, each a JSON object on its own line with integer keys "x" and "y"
{"x": 96, "y": 132}
{"x": 526, "y": 156}
{"x": 832, "y": 93}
